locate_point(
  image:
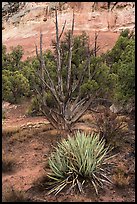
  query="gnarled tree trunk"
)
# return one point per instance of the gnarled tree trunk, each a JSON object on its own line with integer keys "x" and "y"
{"x": 68, "y": 110}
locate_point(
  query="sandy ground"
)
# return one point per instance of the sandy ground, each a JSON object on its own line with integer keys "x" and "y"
{"x": 31, "y": 147}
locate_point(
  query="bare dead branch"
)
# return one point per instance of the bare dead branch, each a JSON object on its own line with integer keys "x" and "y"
{"x": 49, "y": 87}
{"x": 46, "y": 110}
{"x": 36, "y": 48}
{"x": 50, "y": 117}
{"x": 41, "y": 44}
{"x": 114, "y": 5}
{"x": 62, "y": 30}
{"x": 95, "y": 46}
{"x": 82, "y": 111}
{"x": 70, "y": 56}
{"x": 67, "y": 110}
{"x": 79, "y": 103}
{"x": 60, "y": 82}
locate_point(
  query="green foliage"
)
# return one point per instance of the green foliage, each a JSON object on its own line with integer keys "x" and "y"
{"x": 121, "y": 59}
{"x": 50, "y": 100}
{"x": 14, "y": 86}
{"x": 78, "y": 160}
{"x": 79, "y": 52}
{"x": 4, "y": 56}
{"x": 114, "y": 55}
{"x": 6, "y": 86}
{"x": 126, "y": 73}
{"x": 28, "y": 71}
{"x": 20, "y": 85}
{"x": 125, "y": 33}
{"x": 17, "y": 79}
{"x": 110, "y": 76}
{"x": 99, "y": 79}
{"x": 98, "y": 75}
{"x": 80, "y": 44}
{"x": 35, "y": 107}
{"x": 12, "y": 61}
{"x": 89, "y": 86}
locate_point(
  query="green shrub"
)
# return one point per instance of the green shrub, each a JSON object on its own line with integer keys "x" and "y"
{"x": 121, "y": 60}
{"x": 14, "y": 86}
{"x": 50, "y": 100}
{"x": 6, "y": 86}
{"x": 12, "y": 61}
{"x": 77, "y": 161}
{"x": 35, "y": 107}
{"x": 125, "y": 33}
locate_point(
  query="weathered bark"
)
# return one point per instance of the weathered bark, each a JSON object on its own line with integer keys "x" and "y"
{"x": 70, "y": 57}
{"x": 60, "y": 82}
{"x": 67, "y": 110}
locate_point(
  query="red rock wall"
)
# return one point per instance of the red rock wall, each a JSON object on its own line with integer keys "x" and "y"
{"x": 24, "y": 28}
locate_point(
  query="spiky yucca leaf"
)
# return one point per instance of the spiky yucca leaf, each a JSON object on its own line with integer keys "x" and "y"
{"x": 79, "y": 159}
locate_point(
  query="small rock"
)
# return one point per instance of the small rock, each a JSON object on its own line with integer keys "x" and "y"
{"x": 115, "y": 108}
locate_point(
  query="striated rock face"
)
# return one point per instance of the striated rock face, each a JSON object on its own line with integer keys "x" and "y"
{"x": 22, "y": 26}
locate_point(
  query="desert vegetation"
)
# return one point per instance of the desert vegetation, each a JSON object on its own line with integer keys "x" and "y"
{"x": 62, "y": 86}
{"x": 77, "y": 160}
{"x": 113, "y": 71}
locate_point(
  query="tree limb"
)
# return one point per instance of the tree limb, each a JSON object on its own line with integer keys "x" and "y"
{"x": 70, "y": 56}
{"x": 62, "y": 30}
{"x": 60, "y": 82}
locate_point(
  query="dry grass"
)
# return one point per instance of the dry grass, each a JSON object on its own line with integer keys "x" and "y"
{"x": 41, "y": 183}
{"x": 86, "y": 118}
{"x": 11, "y": 195}
{"x": 120, "y": 177}
{"x": 45, "y": 127}
{"x": 123, "y": 118}
{"x": 21, "y": 136}
{"x": 8, "y": 163}
{"x": 9, "y": 131}
{"x": 112, "y": 127}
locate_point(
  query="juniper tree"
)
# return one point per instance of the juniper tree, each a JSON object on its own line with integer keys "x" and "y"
{"x": 71, "y": 101}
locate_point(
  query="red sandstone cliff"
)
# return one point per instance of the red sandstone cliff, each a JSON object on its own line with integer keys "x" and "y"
{"x": 24, "y": 26}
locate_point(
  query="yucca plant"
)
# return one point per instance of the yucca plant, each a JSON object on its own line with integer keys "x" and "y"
{"x": 78, "y": 160}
